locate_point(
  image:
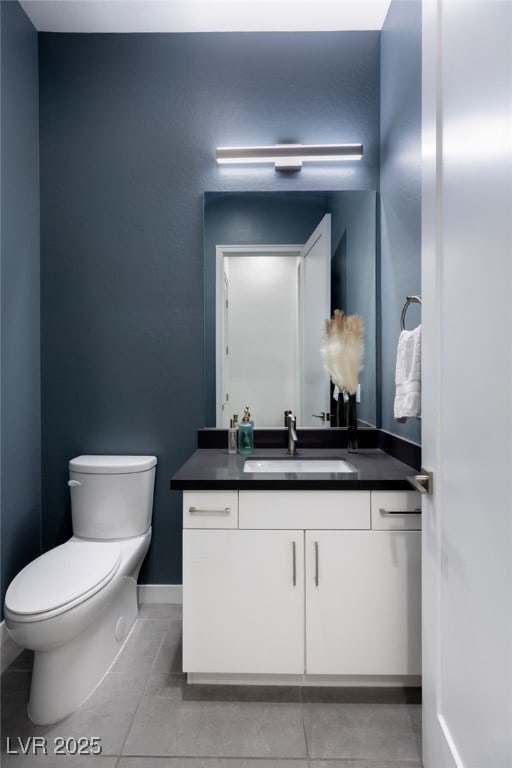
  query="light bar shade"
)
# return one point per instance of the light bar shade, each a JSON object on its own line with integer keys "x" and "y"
{"x": 290, "y": 156}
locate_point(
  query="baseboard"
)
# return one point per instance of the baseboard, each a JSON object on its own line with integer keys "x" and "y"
{"x": 160, "y": 593}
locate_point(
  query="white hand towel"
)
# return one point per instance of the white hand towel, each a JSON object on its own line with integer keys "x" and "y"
{"x": 408, "y": 375}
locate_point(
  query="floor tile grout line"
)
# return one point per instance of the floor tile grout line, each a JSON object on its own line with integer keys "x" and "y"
{"x": 260, "y": 759}
{"x": 143, "y": 691}
{"x": 312, "y": 761}
{"x": 301, "y": 701}
{"x": 302, "y": 711}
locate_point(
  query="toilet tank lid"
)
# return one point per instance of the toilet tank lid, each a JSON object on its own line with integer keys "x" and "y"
{"x": 111, "y": 465}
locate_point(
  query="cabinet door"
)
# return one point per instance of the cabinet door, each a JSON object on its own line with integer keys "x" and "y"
{"x": 363, "y": 602}
{"x": 243, "y": 601}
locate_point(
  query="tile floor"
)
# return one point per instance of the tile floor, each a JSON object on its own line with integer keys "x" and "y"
{"x": 147, "y": 716}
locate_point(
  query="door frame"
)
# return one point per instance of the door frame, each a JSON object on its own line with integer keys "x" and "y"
{"x": 436, "y": 743}
{"x": 323, "y": 230}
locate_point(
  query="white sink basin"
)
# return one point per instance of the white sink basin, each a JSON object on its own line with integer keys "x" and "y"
{"x": 298, "y": 465}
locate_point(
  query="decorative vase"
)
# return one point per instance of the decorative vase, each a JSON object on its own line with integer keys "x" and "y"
{"x": 352, "y": 424}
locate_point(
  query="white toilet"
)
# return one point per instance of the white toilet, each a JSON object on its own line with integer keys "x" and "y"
{"x": 75, "y": 605}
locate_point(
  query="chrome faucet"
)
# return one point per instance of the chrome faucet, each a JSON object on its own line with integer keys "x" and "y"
{"x": 291, "y": 422}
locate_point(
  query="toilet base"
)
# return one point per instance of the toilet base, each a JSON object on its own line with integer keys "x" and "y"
{"x": 64, "y": 677}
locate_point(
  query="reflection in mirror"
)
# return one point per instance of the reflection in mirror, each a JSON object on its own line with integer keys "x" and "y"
{"x": 283, "y": 261}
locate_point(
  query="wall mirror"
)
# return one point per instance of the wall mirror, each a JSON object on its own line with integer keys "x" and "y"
{"x": 276, "y": 264}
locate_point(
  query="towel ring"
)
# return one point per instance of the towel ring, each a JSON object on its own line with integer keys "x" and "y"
{"x": 408, "y": 300}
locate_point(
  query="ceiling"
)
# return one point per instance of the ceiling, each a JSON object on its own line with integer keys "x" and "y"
{"x": 205, "y": 15}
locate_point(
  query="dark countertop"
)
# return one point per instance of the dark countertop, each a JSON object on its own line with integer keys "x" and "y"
{"x": 216, "y": 469}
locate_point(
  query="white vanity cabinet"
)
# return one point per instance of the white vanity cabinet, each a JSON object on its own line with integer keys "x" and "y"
{"x": 302, "y": 583}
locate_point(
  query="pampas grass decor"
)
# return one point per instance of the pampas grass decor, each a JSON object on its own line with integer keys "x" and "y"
{"x": 343, "y": 350}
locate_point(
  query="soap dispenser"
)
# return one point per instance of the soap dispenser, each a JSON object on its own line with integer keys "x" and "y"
{"x": 246, "y": 433}
{"x": 233, "y": 434}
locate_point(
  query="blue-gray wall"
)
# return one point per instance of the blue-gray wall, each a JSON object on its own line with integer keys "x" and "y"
{"x": 20, "y": 330}
{"x": 128, "y": 130}
{"x": 400, "y": 192}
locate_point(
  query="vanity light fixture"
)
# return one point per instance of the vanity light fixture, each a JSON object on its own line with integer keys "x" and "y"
{"x": 289, "y": 157}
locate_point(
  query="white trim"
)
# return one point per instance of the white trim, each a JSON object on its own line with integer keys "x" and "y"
{"x": 159, "y": 593}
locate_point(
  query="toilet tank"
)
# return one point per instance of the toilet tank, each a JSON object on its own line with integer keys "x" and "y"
{"x": 111, "y": 496}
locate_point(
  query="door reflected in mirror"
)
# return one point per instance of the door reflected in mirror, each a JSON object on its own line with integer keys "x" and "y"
{"x": 276, "y": 265}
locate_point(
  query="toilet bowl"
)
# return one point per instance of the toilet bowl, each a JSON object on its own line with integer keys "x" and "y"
{"x": 75, "y": 605}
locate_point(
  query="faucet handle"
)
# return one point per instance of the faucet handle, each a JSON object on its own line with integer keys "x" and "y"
{"x": 291, "y": 423}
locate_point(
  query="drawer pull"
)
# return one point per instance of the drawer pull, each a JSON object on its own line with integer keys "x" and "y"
{"x": 416, "y": 511}
{"x": 198, "y": 511}
{"x": 316, "y": 565}
{"x": 294, "y": 564}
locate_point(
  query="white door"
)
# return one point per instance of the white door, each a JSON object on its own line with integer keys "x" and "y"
{"x": 243, "y": 601}
{"x": 467, "y": 384}
{"x": 257, "y": 332}
{"x": 315, "y": 303}
{"x": 262, "y": 353}
{"x": 363, "y": 601}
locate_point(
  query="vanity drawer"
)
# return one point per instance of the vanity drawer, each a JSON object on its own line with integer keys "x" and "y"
{"x": 210, "y": 509}
{"x": 304, "y": 509}
{"x": 396, "y": 510}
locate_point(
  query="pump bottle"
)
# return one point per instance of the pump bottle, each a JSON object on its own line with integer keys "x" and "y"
{"x": 246, "y": 433}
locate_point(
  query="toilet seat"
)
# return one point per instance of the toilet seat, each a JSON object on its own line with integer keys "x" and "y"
{"x": 61, "y": 578}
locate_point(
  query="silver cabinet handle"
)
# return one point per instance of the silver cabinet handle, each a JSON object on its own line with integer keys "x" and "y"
{"x": 316, "y": 564}
{"x": 294, "y": 564}
{"x": 198, "y": 511}
{"x": 422, "y": 482}
{"x": 416, "y": 511}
